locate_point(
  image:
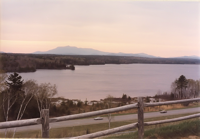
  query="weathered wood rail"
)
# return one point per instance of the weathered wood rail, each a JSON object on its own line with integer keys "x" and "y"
{"x": 132, "y": 126}
{"x": 45, "y": 120}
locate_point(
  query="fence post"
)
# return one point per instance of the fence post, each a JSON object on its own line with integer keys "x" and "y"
{"x": 140, "y": 118}
{"x": 44, "y": 115}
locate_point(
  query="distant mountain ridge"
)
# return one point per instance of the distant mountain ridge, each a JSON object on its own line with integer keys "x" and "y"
{"x": 69, "y": 50}
{"x": 190, "y": 57}
{"x": 73, "y": 51}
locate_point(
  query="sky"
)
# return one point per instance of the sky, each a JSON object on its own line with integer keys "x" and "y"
{"x": 159, "y": 28}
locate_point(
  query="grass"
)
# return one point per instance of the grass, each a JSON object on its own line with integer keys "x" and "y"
{"x": 183, "y": 129}
{"x": 81, "y": 130}
{"x": 68, "y": 131}
{"x": 169, "y": 131}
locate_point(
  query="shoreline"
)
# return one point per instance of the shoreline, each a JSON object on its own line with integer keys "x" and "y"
{"x": 11, "y": 62}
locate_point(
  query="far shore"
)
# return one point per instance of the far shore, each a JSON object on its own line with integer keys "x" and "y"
{"x": 13, "y": 62}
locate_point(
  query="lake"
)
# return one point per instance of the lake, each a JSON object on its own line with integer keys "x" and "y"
{"x": 95, "y": 82}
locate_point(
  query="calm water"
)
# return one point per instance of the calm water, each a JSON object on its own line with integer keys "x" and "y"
{"x": 97, "y": 81}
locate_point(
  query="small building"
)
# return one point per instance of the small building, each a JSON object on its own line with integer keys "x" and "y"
{"x": 57, "y": 103}
{"x": 75, "y": 101}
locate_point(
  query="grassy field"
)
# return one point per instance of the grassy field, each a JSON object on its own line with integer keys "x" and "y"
{"x": 180, "y": 130}
{"x": 81, "y": 130}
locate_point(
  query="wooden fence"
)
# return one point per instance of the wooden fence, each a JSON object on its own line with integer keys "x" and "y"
{"x": 45, "y": 120}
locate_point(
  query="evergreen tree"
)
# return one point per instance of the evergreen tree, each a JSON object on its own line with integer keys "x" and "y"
{"x": 14, "y": 82}
{"x": 124, "y": 96}
{"x": 180, "y": 84}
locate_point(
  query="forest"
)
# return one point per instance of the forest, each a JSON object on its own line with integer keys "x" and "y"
{"x": 10, "y": 62}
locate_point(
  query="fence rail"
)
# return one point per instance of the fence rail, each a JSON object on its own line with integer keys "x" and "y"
{"x": 20, "y": 123}
{"x": 171, "y": 102}
{"x": 172, "y": 120}
{"x": 45, "y": 120}
{"x": 94, "y": 113}
{"x": 108, "y": 132}
{"x": 134, "y": 125}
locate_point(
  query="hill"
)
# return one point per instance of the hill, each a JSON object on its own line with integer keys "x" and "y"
{"x": 69, "y": 50}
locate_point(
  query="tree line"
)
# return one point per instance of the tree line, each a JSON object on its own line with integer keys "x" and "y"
{"x": 182, "y": 88}
{"x": 10, "y": 62}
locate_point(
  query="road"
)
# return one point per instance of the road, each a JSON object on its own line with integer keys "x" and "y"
{"x": 89, "y": 121}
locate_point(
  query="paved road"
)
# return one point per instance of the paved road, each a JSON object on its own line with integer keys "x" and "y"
{"x": 88, "y": 121}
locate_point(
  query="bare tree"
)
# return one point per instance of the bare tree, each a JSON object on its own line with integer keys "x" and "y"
{"x": 174, "y": 90}
{"x": 28, "y": 88}
{"x": 3, "y": 87}
{"x": 10, "y": 95}
{"x": 44, "y": 94}
{"x": 191, "y": 88}
{"x": 108, "y": 102}
{"x": 3, "y": 77}
{"x": 197, "y": 88}
{"x": 8, "y": 100}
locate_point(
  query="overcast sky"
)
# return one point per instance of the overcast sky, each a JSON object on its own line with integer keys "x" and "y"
{"x": 165, "y": 29}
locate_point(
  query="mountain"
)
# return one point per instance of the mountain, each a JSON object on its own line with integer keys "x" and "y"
{"x": 69, "y": 50}
{"x": 136, "y": 55}
{"x": 189, "y": 57}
